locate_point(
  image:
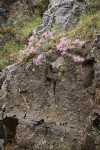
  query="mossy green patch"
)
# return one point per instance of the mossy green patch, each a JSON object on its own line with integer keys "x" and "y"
{"x": 3, "y": 62}
{"x": 92, "y": 6}
{"x": 26, "y": 29}
{"x": 9, "y": 53}
{"x": 20, "y": 34}
{"x": 95, "y": 133}
{"x": 87, "y": 28}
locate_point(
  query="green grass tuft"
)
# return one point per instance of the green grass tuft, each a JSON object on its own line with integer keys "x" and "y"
{"x": 87, "y": 28}
{"x": 3, "y": 63}
{"x": 11, "y": 48}
{"x": 9, "y": 53}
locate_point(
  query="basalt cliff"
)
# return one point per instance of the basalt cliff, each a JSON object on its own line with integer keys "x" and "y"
{"x": 54, "y": 106}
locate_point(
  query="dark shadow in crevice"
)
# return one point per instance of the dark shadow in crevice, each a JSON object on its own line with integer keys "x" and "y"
{"x": 96, "y": 122}
{"x": 88, "y": 62}
{"x": 10, "y": 124}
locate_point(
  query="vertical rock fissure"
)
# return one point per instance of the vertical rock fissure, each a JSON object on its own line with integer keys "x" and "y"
{"x": 9, "y": 126}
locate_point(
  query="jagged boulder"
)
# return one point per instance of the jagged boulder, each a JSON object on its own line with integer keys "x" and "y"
{"x": 49, "y": 105}
{"x": 61, "y": 14}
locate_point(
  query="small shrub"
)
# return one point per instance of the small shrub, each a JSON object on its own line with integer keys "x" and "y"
{"x": 37, "y": 44}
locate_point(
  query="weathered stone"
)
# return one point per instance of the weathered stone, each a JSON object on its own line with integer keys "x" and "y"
{"x": 97, "y": 74}
{"x": 50, "y": 108}
{"x": 98, "y": 95}
{"x": 61, "y": 14}
{"x": 89, "y": 143}
{"x": 3, "y": 12}
{"x": 91, "y": 89}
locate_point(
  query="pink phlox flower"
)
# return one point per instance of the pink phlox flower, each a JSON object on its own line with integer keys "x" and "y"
{"x": 30, "y": 43}
{"x": 81, "y": 43}
{"x": 71, "y": 47}
{"x": 48, "y": 35}
{"x": 63, "y": 39}
{"x": 77, "y": 41}
{"x": 31, "y": 49}
{"x": 58, "y": 46}
{"x": 63, "y": 49}
{"x": 63, "y": 53}
{"x": 78, "y": 58}
{"x": 31, "y": 38}
{"x": 38, "y": 44}
{"x": 22, "y": 52}
{"x": 38, "y": 59}
{"x": 40, "y": 41}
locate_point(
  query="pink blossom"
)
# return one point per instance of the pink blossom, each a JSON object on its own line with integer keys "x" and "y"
{"x": 81, "y": 43}
{"x": 71, "y": 47}
{"x": 63, "y": 53}
{"x": 41, "y": 41}
{"x": 31, "y": 49}
{"x": 78, "y": 58}
{"x": 38, "y": 59}
{"x": 30, "y": 43}
{"x": 62, "y": 38}
{"x": 31, "y": 38}
{"x": 38, "y": 44}
{"x": 22, "y": 52}
{"x": 77, "y": 41}
{"x": 48, "y": 35}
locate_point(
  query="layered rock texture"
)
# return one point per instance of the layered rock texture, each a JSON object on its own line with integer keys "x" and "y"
{"x": 14, "y": 12}
{"x": 62, "y": 14}
{"x": 54, "y": 106}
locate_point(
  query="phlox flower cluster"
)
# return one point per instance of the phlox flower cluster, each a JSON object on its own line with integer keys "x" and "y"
{"x": 48, "y": 35}
{"x": 42, "y": 41}
{"x": 21, "y": 53}
{"x": 35, "y": 42}
{"x": 66, "y": 44}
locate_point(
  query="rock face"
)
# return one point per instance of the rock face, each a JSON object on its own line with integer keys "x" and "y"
{"x": 51, "y": 106}
{"x": 62, "y": 14}
{"x": 3, "y": 12}
{"x": 55, "y": 105}
{"x": 12, "y": 11}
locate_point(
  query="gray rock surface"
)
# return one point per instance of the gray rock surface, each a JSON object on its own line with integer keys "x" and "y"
{"x": 61, "y": 14}
{"x": 48, "y": 107}
{"x": 14, "y": 12}
{"x": 3, "y": 12}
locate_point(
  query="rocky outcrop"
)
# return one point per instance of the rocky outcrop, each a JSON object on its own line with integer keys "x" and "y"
{"x": 51, "y": 106}
{"x": 61, "y": 14}
{"x": 54, "y": 106}
{"x": 14, "y": 12}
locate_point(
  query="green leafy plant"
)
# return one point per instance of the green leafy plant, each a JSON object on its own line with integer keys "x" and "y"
{"x": 92, "y": 6}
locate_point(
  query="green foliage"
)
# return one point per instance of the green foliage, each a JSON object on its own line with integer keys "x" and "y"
{"x": 92, "y": 6}
{"x": 42, "y": 2}
{"x": 3, "y": 62}
{"x": 87, "y": 28}
{"x": 95, "y": 133}
{"x": 43, "y": 5}
{"x": 26, "y": 29}
{"x": 11, "y": 48}
{"x": 9, "y": 53}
